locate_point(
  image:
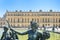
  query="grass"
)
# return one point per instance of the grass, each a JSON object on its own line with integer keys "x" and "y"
{"x": 53, "y": 36}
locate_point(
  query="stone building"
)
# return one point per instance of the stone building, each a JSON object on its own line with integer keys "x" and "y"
{"x": 2, "y": 22}
{"x": 22, "y": 19}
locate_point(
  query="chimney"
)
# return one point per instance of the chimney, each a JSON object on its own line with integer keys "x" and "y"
{"x": 16, "y": 11}
{"x": 50, "y": 10}
{"x": 40, "y": 10}
{"x": 30, "y": 10}
{"x": 20, "y": 10}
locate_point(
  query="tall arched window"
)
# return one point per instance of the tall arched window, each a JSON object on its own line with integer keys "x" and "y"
{"x": 59, "y": 20}
{"x": 53, "y": 20}
{"x": 25, "y": 20}
{"x": 48, "y": 20}
{"x": 37, "y": 20}
{"x": 22, "y": 20}
{"x": 54, "y": 25}
{"x": 56, "y": 20}
{"x": 18, "y": 25}
{"x": 18, "y": 20}
{"x": 32, "y": 19}
{"x": 28, "y": 20}
{"x": 43, "y": 20}
{"x": 14, "y": 20}
{"x": 11, "y": 20}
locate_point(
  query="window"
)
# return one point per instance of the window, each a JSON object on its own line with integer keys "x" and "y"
{"x": 17, "y": 14}
{"x": 59, "y": 14}
{"x": 25, "y": 20}
{"x": 28, "y": 20}
{"x": 53, "y": 25}
{"x": 56, "y": 25}
{"x": 45, "y": 20}
{"x": 22, "y": 20}
{"x": 48, "y": 24}
{"x": 28, "y": 15}
{"x": 14, "y": 20}
{"x": 11, "y": 14}
{"x": 11, "y": 20}
{"x": 18, "y": 20}
{"x": 8, "y": 14}
{"x": 25, "y": 14}
{"x": 59, "y": 20}
{"x": 38, "y": 20}
{"x": 43, "y": 25}
{"x": 56, "y": 20}
{"x": 18, "y": 25}
{"x": 32, "y": 19}
{"x": 35, "y": 19}
{"x": 48, "y": 20}
{"x": 53, "y": 20}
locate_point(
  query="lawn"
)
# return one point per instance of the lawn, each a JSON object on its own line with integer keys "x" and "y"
{"x": 53, "y": 36}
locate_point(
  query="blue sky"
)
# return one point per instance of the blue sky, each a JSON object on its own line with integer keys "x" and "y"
{"x": 34, "y": 5}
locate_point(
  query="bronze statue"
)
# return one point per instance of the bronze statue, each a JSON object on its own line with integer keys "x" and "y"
{"x": 11, "y": 35}
{"x": 33, "y": 34}
{"x": 5, "y": 35}
{"x": 14, "y": 36}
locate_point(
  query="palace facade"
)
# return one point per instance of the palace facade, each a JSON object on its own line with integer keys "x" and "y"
{"x": 22, "y": 19}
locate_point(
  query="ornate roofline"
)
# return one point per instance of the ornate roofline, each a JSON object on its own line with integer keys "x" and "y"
{"x": 33, "y": 11}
